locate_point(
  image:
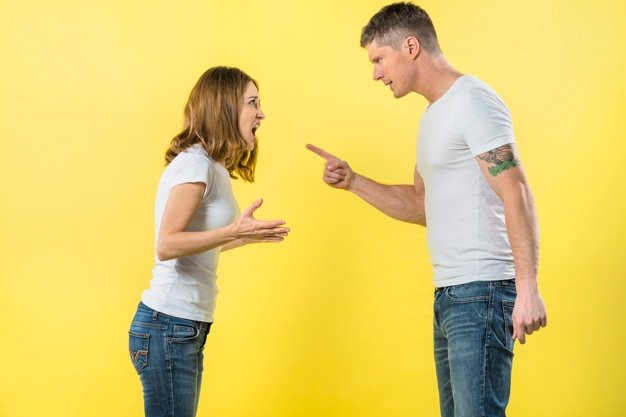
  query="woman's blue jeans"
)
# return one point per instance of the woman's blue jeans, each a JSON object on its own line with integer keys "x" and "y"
{"x": 167, "y": 354}
{"x": 473, "y": 335}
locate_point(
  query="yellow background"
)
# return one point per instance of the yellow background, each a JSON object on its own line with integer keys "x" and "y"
{"x": 336, "y": 321}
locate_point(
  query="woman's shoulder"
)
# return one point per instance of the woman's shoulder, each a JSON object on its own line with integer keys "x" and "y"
{"x": 194, "y": 155}
{"x": 195, "y": 158}
{"x": 194, "y": 152}
{"x": 197, "y": 151}
{"x": 188, "y": 160}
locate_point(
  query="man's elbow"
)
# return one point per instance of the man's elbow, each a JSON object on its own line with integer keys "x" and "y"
{"x": 421, "y": 221}
{"x": 416, "y": 218}
{"x": 520, "y": 194}
{"x": 419, "y": 210}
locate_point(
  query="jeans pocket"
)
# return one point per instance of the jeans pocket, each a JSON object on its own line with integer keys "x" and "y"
{"x": 138, "y": 347}
{"x": 468, "y": 293}
{"x": 507, "y": 310}
{"x": 185, "y": 333}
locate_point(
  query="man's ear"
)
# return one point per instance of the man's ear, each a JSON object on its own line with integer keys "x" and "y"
{"x": 412, "y": 46}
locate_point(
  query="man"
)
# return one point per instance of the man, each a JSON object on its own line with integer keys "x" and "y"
{"x": 471, "y": 191}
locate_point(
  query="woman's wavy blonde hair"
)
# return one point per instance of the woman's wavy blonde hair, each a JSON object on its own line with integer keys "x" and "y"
{"x": 212, "y": 120}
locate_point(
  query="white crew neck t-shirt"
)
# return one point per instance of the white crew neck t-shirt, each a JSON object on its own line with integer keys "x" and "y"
{"x": 186, "y": 287}
{"x": 466, "y": 232}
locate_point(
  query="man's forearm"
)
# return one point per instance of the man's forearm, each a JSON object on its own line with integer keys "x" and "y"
{"x": 523, "y": 233}
{"x": 401, "y": 202}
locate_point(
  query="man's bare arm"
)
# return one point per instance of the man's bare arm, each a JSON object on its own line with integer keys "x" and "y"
{"x": 505, "y": 175}
{"x": 402, "y": 202}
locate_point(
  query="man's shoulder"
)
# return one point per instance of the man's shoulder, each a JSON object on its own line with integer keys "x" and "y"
{"x": 477, "y": 94}
{"x": 475, "y": 87}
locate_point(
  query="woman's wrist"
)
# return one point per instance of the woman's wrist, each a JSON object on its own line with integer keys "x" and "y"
{"x": 232, "y": 232}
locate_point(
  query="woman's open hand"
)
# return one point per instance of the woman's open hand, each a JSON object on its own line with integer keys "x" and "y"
{"x": 251, "y": 230}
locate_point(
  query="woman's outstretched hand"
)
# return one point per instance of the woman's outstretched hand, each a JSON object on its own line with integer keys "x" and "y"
{"x": 250, "y": 230}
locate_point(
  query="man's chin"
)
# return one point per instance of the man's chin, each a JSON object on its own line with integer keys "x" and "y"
{"x": 399, "y": 94}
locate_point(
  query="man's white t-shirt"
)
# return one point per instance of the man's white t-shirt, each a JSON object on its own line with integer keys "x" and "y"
{"x": 186, "y": 287}
{"x": 466, "y": 231}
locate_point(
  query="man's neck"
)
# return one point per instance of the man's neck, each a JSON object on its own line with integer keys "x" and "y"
{"x": 436, "y": 77}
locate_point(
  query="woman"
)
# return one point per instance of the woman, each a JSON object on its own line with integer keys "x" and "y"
{"x": 196, "y": 217}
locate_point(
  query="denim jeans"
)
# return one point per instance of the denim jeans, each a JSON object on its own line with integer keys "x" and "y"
{"x": 473, "y": 338}
{"x": 167, "y": 353}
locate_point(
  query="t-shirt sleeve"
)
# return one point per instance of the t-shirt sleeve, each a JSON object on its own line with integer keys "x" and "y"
{"x": 484, "y": 121}
{"x": 192, "y": 168}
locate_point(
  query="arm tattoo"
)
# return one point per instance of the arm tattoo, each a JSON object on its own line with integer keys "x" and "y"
{"x": 502, "y": 157}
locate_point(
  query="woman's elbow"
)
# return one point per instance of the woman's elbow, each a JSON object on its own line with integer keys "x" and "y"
{"x": 163, "y": 251}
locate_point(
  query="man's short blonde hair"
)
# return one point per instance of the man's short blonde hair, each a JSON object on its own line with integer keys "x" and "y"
{"x": 395, "y": 22}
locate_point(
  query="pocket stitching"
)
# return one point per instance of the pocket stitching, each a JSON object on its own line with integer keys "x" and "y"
{"x": 139, "y": 357}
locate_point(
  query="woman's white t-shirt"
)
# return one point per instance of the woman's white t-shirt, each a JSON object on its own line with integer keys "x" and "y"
{"x": 186, "y": 287}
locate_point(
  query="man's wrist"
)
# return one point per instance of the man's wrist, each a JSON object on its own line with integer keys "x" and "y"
{"x": 355, "y": 184}
{"x": 526, "y": 283}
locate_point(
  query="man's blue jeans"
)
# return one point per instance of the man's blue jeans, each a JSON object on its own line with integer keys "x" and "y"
{"x": 167, "y": 353}
{"x": 473, "y": 333}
